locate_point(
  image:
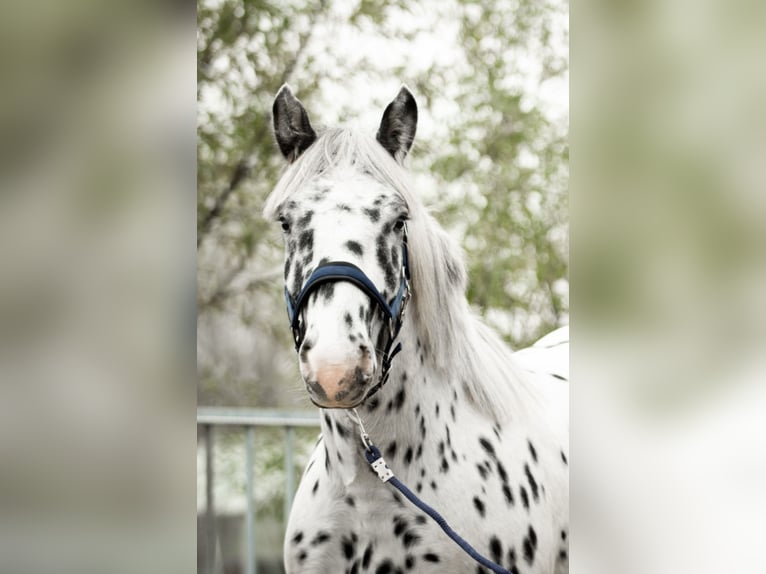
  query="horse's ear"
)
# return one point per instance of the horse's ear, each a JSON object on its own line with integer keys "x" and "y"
{"x": 291, "y": 125}
{"x": 397, "y": 128}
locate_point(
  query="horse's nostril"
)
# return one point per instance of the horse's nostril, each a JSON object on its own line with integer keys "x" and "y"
{"x": 364, "y": 350}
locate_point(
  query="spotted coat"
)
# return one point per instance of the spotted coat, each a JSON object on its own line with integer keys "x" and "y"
{"x": 496, "y": 479}
{"x": 498, "y": 473}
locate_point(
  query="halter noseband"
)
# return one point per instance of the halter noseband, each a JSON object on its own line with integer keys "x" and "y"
{"x": 334, "y": 271}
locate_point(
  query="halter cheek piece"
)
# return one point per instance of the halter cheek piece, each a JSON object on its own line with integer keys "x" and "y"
{"x": 334, "y": 271}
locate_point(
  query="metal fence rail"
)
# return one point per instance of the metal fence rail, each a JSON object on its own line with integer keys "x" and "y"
{"x": 248, "y": 419}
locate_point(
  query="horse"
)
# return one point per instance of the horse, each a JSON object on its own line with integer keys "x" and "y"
{"x": 390, "y": 350}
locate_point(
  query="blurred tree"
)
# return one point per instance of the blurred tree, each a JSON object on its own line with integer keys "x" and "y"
{"x": 515, "y": 227}
{"x": 492, "y": 161}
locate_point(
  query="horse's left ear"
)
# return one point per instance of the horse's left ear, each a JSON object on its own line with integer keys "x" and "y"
{"x": 397, "y": 128}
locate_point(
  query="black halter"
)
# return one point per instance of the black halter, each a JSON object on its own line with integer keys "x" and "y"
{"x": 343, "y": 271}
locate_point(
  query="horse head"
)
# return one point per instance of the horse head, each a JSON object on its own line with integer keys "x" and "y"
{"x": 344, "y": 228}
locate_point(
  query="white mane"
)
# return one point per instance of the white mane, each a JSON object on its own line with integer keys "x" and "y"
{"x": 457, "y": 341}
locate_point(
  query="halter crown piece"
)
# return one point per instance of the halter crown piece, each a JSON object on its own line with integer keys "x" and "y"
{"x": 334, "y": 271}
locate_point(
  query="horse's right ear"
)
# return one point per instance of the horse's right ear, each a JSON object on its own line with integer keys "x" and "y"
{"x": 291, "y": 125}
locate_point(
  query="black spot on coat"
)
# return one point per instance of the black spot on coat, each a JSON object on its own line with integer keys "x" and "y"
{"x": 348, "y": 547}
{"x": 532, "y": 450}
{"x": 306, "y": 240}
{"x": 320, "y": 538}
{"x": 532, "y": 482}
{"x": 530, "y": 545}
{"x": 355, "y": 247}
{"x": 372, "y": 213}
{"x": 367, "y": 556}
{"x": 508, "y": 493}
{"x": 477, "y": 502}
{"x": 487, "y": 446}
{"x": 495, "y": 550}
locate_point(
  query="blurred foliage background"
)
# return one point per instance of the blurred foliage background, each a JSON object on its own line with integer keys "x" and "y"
{"x": 490, "y": 158}
{"x": 97, "y": 127}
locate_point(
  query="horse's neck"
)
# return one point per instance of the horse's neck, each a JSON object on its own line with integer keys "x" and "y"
{"x": 397, "y": 417}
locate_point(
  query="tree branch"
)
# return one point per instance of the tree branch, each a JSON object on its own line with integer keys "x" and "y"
{"x": 240, "y": 172}
{"x": 242, "y": 168}
{"x": 223, "y": 291}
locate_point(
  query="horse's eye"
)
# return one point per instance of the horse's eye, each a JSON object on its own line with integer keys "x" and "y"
{"x": 285, "y": 225}
{"x": 399, "y": 225}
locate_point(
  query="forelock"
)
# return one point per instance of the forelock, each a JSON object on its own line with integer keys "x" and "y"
{"x": 339, "y": 148}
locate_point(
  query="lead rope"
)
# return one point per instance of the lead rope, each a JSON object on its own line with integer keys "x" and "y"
{"x": 378, "y": 464}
